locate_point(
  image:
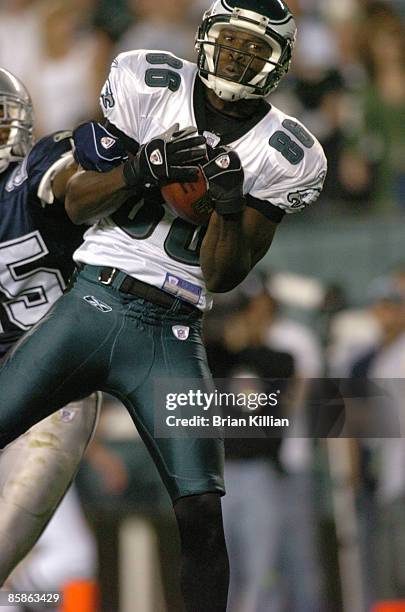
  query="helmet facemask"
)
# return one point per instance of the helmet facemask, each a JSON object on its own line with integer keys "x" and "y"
{"x": 15, "y": 129}
{"x": 265, "y": 80}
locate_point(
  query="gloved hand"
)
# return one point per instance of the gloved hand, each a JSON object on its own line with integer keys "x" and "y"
{"x": 168, "y": 158}
{"x": 224, "y": 174}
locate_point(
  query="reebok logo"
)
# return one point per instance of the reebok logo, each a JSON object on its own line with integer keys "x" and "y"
{"x": 93, "y": 301}
{"x": 156, "y": 158}
{"x": 107, "y": 142}
{"x": 223, "y": 162}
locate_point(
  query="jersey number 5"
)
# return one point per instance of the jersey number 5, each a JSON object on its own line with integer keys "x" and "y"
{"x": 29, "y": 293}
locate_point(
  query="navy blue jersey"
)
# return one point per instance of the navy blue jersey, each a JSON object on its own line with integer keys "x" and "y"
{"x": 37, "y": 239}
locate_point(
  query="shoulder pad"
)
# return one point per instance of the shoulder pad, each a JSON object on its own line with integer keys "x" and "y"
{"x": 62, "y": 135}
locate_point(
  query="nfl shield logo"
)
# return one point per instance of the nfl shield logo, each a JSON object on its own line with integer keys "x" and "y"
{"x": 181, "y": 332}
{"x": 66, "y": 415}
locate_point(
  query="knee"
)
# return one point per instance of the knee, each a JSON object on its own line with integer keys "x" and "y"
{"x": 200, "y": 521}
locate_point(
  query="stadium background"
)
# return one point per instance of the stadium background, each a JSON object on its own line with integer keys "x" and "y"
{"x": 328, "y": 270}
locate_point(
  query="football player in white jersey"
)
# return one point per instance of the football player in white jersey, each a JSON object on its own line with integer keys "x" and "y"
{"x": 145, "y": 276}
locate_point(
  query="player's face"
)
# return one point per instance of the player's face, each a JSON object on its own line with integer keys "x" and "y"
{"x": 241, "y": 56}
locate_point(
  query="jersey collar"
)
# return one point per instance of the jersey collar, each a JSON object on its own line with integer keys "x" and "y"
{"x": 201, "y": 119}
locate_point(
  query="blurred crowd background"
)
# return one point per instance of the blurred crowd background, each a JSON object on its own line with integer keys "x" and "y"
{"x": 346, "y": 84}
{"x": 312, "y": 525}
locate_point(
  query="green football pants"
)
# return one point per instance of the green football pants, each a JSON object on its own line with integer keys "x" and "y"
{"x": 99, "y": 338}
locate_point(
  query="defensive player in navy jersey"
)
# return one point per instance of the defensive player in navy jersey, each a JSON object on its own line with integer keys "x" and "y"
{"x": 37, "y": 240}
{"x": 133, "y": 314}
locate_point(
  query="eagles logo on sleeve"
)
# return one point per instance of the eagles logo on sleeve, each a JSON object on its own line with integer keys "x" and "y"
{"x": 308, "y": 195}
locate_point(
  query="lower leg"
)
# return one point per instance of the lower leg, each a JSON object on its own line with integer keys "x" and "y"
{"x": 205, "y": 566}
{"x": 35, "y": 472}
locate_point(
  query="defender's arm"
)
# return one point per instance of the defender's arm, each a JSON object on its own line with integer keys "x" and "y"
{"x": 61, "y": 179}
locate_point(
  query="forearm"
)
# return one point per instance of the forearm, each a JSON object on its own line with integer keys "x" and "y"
{"x": 225, "y": 256}
{"x": 92, "y": 195}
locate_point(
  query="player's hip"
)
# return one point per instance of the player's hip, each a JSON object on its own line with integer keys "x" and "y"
{"x": 109, "y": 288}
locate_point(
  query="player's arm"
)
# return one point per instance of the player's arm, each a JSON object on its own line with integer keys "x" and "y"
{"x": 97, "y": 188}
{"x": 61, "y": 179}
{"x": 237, "y": 236}
{"x": 108, "y": 176}
{"x": 232, "y": 246}
{"x": 93, "y": 194}
{"x": 49, "y": 166}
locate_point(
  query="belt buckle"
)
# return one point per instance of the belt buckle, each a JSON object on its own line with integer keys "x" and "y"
{"x": 109, "y": 279}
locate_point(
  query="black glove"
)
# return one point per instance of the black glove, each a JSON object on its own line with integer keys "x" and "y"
{"x": 168, "y": 158}
{"x": 224, "y": 174}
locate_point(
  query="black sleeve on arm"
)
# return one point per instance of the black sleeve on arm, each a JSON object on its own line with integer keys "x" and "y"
{"x": 129, "y": 143}
{"x": 271, "y": 212}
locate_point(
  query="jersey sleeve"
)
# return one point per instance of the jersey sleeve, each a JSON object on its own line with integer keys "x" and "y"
{"x": 48, "y": 157}
{"x": 96, "y": 148}
{"x": 289, "y": 183}
{"x": 119, "y": 97}
{"x": 271, "y": 212}
{"x": 103, "y": 147}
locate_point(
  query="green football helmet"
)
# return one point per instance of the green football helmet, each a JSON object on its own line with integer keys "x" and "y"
{"x": 270, "y": 20}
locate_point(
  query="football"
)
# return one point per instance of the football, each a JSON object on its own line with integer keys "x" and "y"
{"x": 189, "y": 201}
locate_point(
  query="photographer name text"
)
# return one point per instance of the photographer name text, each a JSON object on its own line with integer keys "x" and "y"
{"x": 218, "y": 421}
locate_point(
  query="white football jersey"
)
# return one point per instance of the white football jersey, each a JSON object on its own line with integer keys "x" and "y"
{"x": 145, "y": 94}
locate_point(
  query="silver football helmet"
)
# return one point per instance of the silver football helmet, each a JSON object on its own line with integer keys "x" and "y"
{"x": 16, "y": 119}
{"x": 270, "y": 20}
